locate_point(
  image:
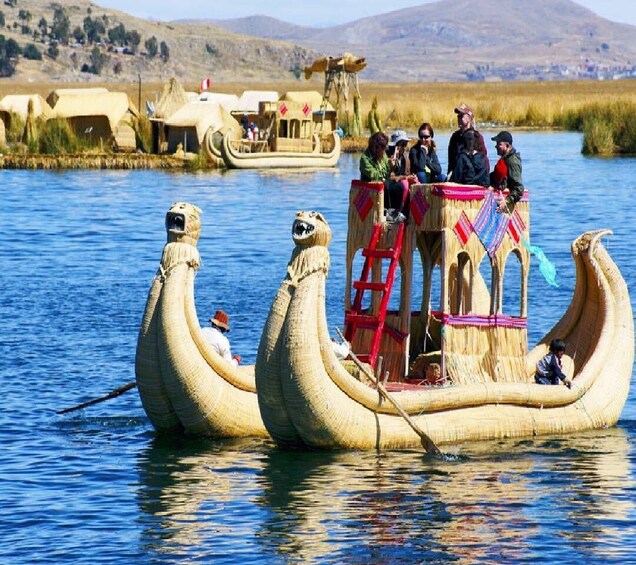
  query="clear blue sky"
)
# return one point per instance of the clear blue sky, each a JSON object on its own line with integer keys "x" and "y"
{"x": 321, "y": 13}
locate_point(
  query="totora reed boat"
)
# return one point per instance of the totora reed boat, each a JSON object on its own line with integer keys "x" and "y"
{"x": 457, "y": 364}
{"x": 183, "y": 383}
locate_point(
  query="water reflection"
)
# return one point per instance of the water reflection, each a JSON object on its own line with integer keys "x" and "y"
{"x": 504, "y": 501}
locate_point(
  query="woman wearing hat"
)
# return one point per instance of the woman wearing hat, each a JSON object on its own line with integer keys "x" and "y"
{"x": 375, "y": 166}
{"x": 215, "y": 336}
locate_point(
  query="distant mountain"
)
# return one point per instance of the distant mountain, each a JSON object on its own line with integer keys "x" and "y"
{"x": 469, "y": 39}
{"x": 449, "y": 40}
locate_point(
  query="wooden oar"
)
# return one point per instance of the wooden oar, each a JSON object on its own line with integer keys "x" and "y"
{"x": 427, "y": 442}
{"x": 113, "y": 394}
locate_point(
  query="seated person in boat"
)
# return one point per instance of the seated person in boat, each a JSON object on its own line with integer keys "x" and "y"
{"x": 465, "y": 123}
{"x": 376, "y": 167}
{"x": 471, "y": 166}
{"x": 398, "y": 158}
{"x": 252, "y": 132}
{"x": 433, "y": 375}
{"x": 549, "y": 368}
{"x": 423, "y": 156}
{"x": 215, "y": 336}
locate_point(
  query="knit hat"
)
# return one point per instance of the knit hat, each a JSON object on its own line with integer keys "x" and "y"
{"x": 220, "y": 320}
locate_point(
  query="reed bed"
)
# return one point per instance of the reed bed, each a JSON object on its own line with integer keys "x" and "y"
{"x": 596, "y": 108}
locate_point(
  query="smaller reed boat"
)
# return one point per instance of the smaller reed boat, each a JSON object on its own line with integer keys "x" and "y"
{"x": 453, "y": 244}
{"x": 291, "y": 134}
{"x": 184, "y": 384}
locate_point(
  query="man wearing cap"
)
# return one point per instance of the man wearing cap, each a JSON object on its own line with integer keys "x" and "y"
{"x": 466, "y": 122}
{"x": 507, "y": 172}
{"x": 215, "y": 336}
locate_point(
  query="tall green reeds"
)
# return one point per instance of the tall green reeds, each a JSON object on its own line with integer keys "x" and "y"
{"x": 608, "y": 129}
{"x": 143, "y": 133}
{"x": 57, "y": 137}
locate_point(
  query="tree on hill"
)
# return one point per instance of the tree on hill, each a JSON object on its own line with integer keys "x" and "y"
{"x": 61, "y": 28}
{"x": 93, "y": 29}
{"x": 152, "y": 47}
{"x": 9, "y": 51}
{"x": 164, "y": 52}
{"x": 31, "y": 52}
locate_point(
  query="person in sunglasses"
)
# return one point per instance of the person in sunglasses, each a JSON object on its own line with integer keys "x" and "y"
{"x": 423, "y": 156}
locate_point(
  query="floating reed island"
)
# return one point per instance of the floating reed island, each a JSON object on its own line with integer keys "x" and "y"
{"x": 94, "y": 161}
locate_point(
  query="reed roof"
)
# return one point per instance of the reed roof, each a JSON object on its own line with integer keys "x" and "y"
{"x": 249, "y": 100}
{"x": 173, "y": 96}
{"x": 202, "y": 116}
{"x": 19, "y": 104}
{"x": 114, "y": 105}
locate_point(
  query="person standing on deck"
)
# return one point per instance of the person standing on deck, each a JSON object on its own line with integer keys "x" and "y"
{"x": 507, "y": 171}
{"x": 466, "y": 122}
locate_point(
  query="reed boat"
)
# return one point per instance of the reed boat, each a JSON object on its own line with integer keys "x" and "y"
{"x": 299, "y": 130}
{"x": 244, "y": 154}
{"x": 454, "y": 252}
{"x": 184, "y": 384}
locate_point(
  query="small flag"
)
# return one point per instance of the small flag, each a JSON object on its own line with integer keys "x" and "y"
{"x": 205, "y": 85}
{"x": 283, "y": 109}
{"x": 419, "y": 207}
{"x": 363, "y": 202}
{"x": 306, "y": 109}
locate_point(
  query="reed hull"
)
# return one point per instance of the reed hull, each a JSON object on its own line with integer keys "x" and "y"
{"x": 324, "y": 406}
{"x": 279, "y": 159}
{"x": 184, "y": 385}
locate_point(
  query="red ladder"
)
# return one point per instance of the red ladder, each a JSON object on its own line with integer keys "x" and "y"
{"x": 354, "y": 318}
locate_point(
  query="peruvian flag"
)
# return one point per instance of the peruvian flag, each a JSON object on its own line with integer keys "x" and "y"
{"x": 205, "y": 85}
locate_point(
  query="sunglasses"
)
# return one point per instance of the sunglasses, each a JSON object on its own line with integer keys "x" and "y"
{"x": 425, "y": 137}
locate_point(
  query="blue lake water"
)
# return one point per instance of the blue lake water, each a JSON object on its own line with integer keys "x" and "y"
{"x": 98, "y": 486}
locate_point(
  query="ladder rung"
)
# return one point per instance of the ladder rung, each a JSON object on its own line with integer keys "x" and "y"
{"x": 396, "y": 334}
{"x": 362, "y": 285}
{"x": 380, "y": 253}
{"x": 362, "y": 320}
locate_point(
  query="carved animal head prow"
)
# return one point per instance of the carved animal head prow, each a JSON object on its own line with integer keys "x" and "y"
{"x": 311, "y": 229}
{"x": 183, "y": 223}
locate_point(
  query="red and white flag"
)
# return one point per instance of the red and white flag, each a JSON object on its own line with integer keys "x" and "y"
{"x": 205, "y": 85}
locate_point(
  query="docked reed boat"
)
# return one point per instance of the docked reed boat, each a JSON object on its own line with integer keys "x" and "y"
{"x": 452, "y": 245}
{"x": 291, "y": 133}
{"x": 183, "y": 383}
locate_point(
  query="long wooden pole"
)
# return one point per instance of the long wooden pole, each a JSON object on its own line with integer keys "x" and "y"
{"x": 113, "y": 394}
{"x": 427, "y": 442}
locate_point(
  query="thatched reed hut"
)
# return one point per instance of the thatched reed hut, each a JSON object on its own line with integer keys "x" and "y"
{"x": 191, "y": 122}
{"x": 99, "y": 116}
{"x": 18, "y": 105}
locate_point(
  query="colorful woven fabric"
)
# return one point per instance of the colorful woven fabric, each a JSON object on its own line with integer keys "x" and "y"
{"x": 516, "y": 226}
{"x": 475, "y": 320}
{"x": 419, "y": 207}
{"x": 363, "y": 202}
{"x": 490, "y": 225}
{"x": 463, "y": 228}
{"x": 459, "y": 192}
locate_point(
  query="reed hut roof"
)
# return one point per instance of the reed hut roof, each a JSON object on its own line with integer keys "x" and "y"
{"x": 202, "y": 116}
{"x": 173, "y": 96}
{"x": 55, "y": 95}
{"x": 19, "y": 104}
{"x": 248, "y": 102}
{"x": 114, "y": 105}
{"x": 228, "y": 101}
{"x": 312, "y": 97}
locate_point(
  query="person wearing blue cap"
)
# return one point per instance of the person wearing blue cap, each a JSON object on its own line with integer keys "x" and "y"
{"x": 507, "y": 172}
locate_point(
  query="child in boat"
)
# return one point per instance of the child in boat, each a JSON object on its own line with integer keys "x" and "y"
{"x": 549, "y": 368}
